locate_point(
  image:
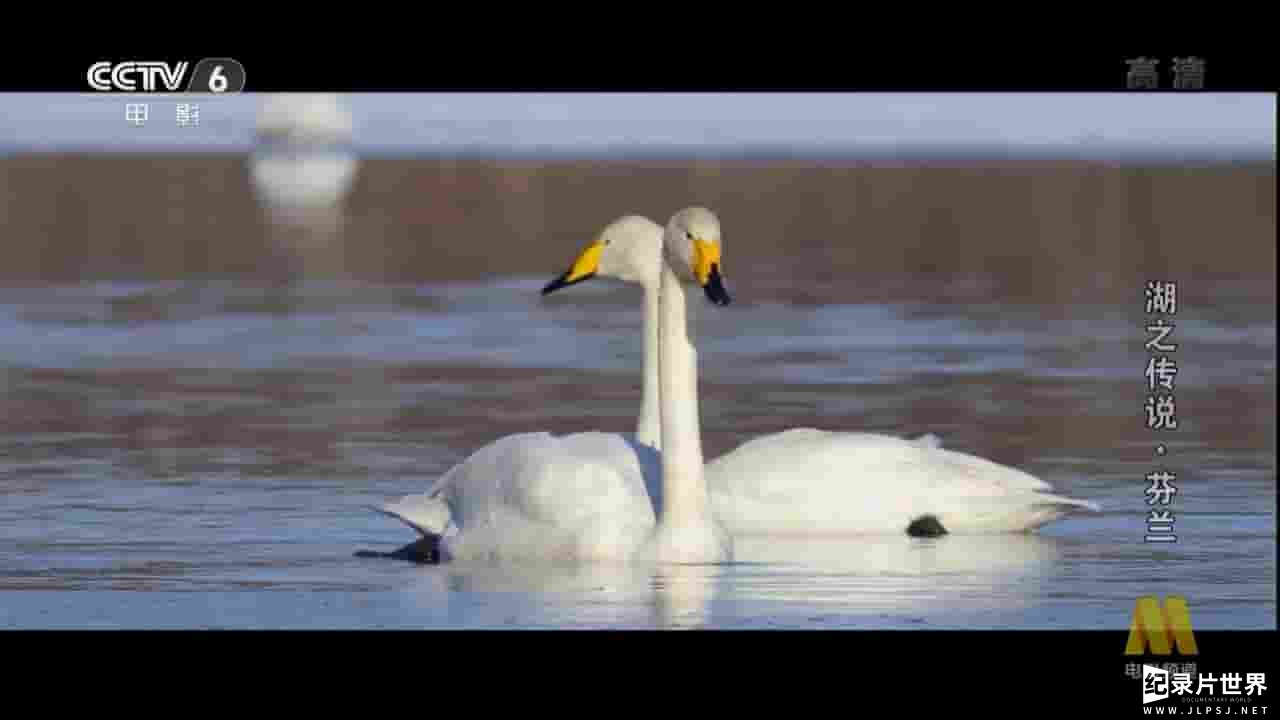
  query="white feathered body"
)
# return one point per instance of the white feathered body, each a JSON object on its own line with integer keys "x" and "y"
{"x": 815, "y": 482}
{"x": 583, "y": 496}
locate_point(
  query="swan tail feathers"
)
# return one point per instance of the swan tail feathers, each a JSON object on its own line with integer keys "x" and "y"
{"x": 1071, "y": 504}
{"x": 428, "y": 515}
{"x": 1053, "y": 507}
{"x": 1014, "y": 514}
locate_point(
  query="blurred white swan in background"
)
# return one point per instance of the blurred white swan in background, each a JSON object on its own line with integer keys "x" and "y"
{"x": 303, "y": 167}
{"x": 592, "y": 495}
{"x": 303, "y": 156}
{"x": 815, "y": 482}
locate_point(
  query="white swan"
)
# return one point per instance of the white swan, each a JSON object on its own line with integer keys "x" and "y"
{"x": 806, "y": 481}
{"x": 599, "y": 496}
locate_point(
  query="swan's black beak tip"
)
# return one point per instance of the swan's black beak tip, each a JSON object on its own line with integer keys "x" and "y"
{"x": 564, "y": 282}
{"x": 714, "y": 288}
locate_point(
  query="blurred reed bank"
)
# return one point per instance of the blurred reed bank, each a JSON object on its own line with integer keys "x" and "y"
{"x": 1049, "y": 232}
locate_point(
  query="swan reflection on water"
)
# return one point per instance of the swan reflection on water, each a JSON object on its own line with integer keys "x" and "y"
{"x": 896, "y": 575}
{"x": 773, "y": 582}
{"x": 569, "y": 595}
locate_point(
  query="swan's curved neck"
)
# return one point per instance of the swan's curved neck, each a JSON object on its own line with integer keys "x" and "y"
{"x": 649, "y": 429}
{"x": 684, "y": 499}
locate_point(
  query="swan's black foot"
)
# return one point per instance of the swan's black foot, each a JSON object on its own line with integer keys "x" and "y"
{"x": 926, "y": 526}
{"x": 424, "y": 551}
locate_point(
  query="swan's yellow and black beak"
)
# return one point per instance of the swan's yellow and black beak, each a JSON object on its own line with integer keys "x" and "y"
{"x": 584, "y": 268}
{"x": 706, "y": 269}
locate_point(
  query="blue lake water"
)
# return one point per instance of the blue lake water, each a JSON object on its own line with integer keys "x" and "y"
{"x": 201, "y": 454}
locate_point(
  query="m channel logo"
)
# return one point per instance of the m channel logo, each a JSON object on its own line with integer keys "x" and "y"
{"x": 1160, "y": 629}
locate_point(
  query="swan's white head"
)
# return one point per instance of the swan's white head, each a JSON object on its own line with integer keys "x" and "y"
{"x": 692, "y": 245}
{"x": 631, "y": 249}
{"x": 628, "y": 249}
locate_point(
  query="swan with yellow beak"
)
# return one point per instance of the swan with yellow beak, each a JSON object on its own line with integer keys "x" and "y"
{"x": 592, "y": 495}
